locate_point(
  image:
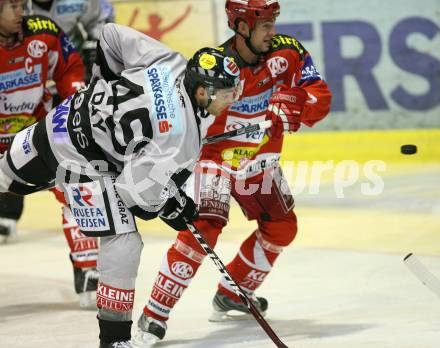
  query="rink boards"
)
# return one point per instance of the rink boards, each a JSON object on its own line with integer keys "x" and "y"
{"x": 403, "y": 217}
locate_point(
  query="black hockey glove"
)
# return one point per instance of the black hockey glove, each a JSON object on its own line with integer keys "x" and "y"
{"x": 88, "y": 55}
{"x": 178, "y": 210}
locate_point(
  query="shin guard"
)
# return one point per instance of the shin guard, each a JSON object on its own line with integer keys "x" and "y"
{"x": 178, "y": 268}
{"x": 251, "y": 265}
{"x": 83, "y": 249}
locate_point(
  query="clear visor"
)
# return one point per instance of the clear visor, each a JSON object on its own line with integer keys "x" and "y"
{"x": 227, "y": 95}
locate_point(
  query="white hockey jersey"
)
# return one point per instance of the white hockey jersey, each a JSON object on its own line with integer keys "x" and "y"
{"x": 68, "y": 13}
{"x": 136, "y": 119}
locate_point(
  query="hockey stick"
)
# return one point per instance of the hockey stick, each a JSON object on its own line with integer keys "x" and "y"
{"x": 236, "y": 132}
{"x": 422, "y": 273}
{"x": 237, "y": 289}
{"x": 24, "y": 189}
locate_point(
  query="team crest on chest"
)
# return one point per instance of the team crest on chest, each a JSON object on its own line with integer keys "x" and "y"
{"x": 36, "y": 48}
{"x": 277, "y": 65}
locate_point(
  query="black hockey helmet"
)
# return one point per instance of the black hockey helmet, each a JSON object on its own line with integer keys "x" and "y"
{"x": 211, "y": 69}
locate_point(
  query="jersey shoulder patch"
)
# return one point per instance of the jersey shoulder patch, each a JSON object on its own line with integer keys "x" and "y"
{"x": 280, "y": 42}
{"x": 37, "y": 24}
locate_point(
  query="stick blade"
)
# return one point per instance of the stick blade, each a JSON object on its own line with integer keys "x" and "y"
{"x": 422, "y": 273}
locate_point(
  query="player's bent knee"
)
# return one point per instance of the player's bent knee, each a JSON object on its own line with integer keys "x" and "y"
{"x": 115, "y": 264}
{"x": 280, "y": 231}
{"x": 210, "y": 230}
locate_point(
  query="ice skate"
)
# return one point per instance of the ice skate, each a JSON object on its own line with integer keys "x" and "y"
{"x": 86, "y": 282}
{"x": 119, "y": 344}
{"x": 8, "y": 230}
{"x": 149, "y": 332}
{"x": 226, "y": 309}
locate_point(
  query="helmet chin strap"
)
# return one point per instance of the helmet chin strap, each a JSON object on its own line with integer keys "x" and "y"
{"x": 248, "y": 42}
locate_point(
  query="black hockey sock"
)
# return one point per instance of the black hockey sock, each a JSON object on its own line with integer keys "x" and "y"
{"x": 114, "y": 331}
{"x": 11, "y": 206}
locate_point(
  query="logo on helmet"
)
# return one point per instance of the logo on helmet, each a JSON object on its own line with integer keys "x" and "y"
{"x": 207, "y": 61}
{"x": 230, "y": 67}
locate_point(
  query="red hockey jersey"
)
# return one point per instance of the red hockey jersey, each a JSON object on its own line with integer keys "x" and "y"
{"x": 44, "y": 53}
{"x": 287, "y": 63}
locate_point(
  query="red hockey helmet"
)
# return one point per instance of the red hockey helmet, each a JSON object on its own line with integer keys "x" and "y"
{"x": 250, "y": 11}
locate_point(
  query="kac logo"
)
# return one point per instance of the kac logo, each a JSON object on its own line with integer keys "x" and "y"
{"x": 277, "y": 65}
{"x": 36, "y": 48}
{"x": 182, "y": 269}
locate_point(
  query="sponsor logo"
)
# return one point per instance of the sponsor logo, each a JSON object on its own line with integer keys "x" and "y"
{"x": 72, "y": 8}
{"x": 25, "y": 106}
{"x": 90, "y": 219}
{"x": 60, "y": 117}
{"x": 114, "y": 299}
{"x": 20, "y": 78}
{"x": 26, "y": 144}
{"x": 36, "y": 23}
{"x": 168, "y": 286}
{"x": 67, "y": 46}
{"x": 82, "y": 243}
{"x": 263, "y": 82}
{"x": 215, "y": 194}
{"x": 156, "y": 86}
{"x": 166, "y": 101}
{"x": 309, "y": 72}
{"x": 14, "y": 124}
{"x": 207, "y": 61}
{"x": 164, "y": 126}
{"x": 262, "y": 164}
{"x": 234, "y": 123}
{"x": 279, "y": 40}
{"x": 238, "y": 157}
{"x": 277, "y": 65}
{"x": 81, "y": 138}
{"x": 253, "y": 104}
{"x": 230, "y": 67}
{"x": 82, "y": 195}
{"x": 15, "y": 60}
{"x": 253, "y": 279}
{"x": 239, "y": 153}
{"x": 182, "y": 269}
{"x": 256, "y": 275}
{"x": 6, "y": 140}
{"x": 36, "y": 48}
{"x": 85, "y": 208}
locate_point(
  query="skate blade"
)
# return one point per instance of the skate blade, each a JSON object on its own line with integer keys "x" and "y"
{"x": 87, "y": 300}
{"x": 232, "y": 315}
{"x": 144, "y": 340}
{"x": 9, "y": 239}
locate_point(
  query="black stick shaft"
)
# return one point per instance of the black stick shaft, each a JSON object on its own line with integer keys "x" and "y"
{"x": 237, "y": 289}
{"x": 236, "y": 132}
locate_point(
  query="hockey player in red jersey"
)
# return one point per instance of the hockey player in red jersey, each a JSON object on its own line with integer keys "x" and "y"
{"x": 281, "y": 83}
{"x": 34, "y": 49}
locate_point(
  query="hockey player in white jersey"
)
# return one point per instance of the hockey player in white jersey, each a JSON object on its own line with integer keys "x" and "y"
{"x": 81, "y": 20}
{"x": 69, "y": 13}
{"x": 123, "y": 147}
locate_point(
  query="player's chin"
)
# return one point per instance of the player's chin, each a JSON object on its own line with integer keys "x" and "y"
{"x": 15, "y": 28}
{"x": 265, "y": 47}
